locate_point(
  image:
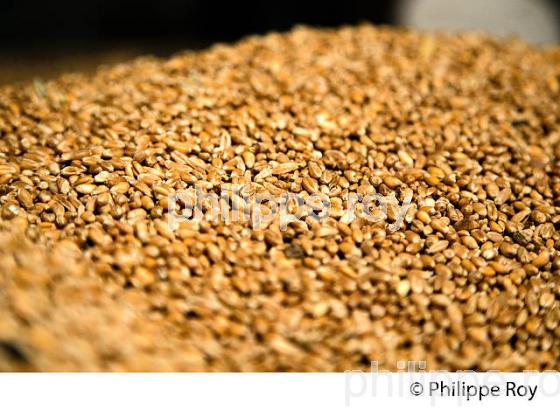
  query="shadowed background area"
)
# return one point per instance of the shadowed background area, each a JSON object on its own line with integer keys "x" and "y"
{"x": 42, "y": 39}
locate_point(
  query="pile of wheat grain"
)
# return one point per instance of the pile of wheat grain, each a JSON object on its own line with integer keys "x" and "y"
{"x": 467, "y": 124}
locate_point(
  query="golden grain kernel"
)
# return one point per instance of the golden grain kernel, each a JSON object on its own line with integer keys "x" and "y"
{"x": 542, "y": 259}
{"x": 546, "y": 300}
{"x": 403, "y": 287}
{"x": 315, "y": 170}
{"x": 85, "y": 188}
{"x": 310, "y": 185}
{"x": 423, "y": 216}
{"x": 405, "y": 157}
{"x": 249, "y": 159}
{"x": 438, "y": 247}
{"x": 391, "y": 182}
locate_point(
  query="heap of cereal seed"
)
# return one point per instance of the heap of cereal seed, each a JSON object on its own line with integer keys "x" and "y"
{"x": 467, "y": 124}
{"x": 57, "y": 314}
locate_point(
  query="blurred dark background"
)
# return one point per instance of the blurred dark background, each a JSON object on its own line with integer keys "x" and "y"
{"x": 44, "y": 38}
